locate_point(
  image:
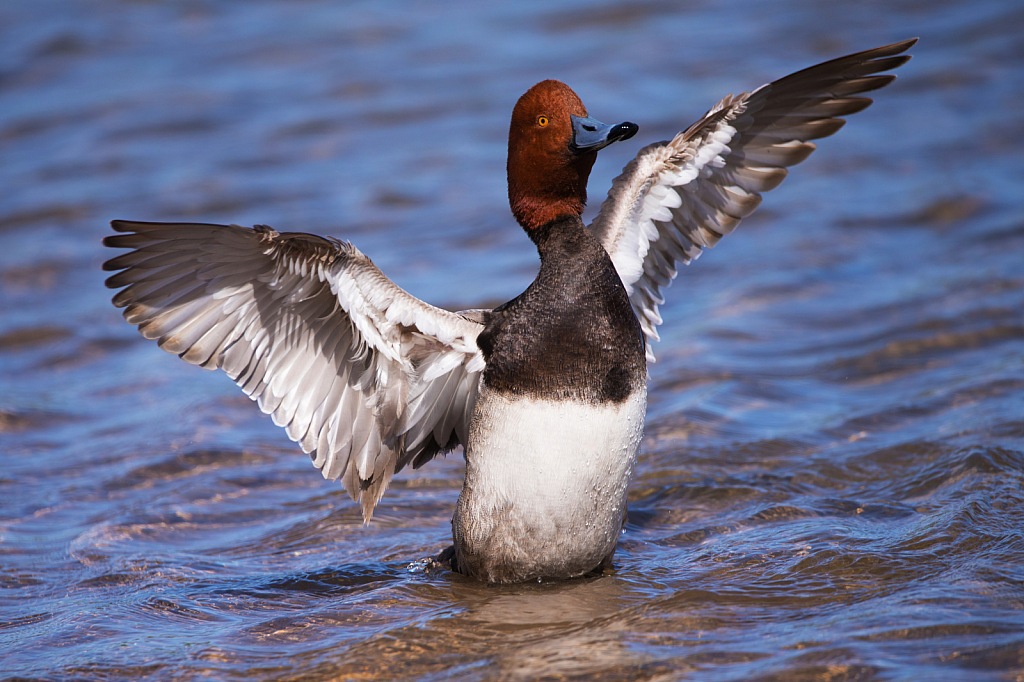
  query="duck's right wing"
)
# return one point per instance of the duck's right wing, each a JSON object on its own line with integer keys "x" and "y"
{"x": 679, "y": 197}
{"x": 363, "y": 376}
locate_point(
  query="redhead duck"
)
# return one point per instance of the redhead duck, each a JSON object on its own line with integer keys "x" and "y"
{"x": 546, "y": 393}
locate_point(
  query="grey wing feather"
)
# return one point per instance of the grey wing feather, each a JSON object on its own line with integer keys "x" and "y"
{"x": 363, "y": 376}
{"x": 679, "y": 197}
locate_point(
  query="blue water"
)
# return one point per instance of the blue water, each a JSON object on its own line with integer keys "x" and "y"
{"x": 831, "y": 484}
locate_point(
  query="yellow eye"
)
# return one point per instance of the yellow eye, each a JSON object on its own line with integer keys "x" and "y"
{"x": 542, "y": 121}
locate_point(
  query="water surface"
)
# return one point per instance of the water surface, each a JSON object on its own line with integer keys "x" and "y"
{"x": 831, "y": 484}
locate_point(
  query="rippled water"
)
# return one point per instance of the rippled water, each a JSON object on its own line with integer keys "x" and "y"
{"x": 831, "y": 484}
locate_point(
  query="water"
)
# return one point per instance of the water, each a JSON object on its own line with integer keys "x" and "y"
{"x": 831, "y": 484}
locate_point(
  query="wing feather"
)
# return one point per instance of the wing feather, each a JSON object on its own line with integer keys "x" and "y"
{"x": 364, "y": 377}
{"x": 679, "y": 197}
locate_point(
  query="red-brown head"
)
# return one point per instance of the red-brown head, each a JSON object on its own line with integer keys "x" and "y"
{"x": 552, "y": 145}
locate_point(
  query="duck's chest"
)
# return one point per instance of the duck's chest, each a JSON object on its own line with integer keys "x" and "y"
{"x": 572, "y": 335}
{"x": 546, "y": 484}
{"x": 555, "y": 457}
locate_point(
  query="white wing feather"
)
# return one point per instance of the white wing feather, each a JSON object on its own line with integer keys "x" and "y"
{"x": 363, "y": 376}
{"x": 679, "y": 197}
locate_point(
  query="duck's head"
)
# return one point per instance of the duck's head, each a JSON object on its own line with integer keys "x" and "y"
{"x": 552, "y": 145}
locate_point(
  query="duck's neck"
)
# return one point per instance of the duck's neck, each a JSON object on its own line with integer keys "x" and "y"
{"x": 563, "y": 239}
{"x": 539, "y": 197}
{"x": 536, "y": 214}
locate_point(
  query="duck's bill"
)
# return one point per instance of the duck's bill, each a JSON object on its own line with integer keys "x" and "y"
{"x": 589, "y": 134}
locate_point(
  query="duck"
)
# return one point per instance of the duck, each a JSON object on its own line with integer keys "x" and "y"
{"x": 546, "y": 393}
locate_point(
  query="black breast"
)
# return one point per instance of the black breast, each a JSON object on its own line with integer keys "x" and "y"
{"x": 572, "y": 334}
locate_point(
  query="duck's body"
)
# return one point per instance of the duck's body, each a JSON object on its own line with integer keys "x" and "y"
{"x": 547, "y": 392}
{"x": 557, "y": 425}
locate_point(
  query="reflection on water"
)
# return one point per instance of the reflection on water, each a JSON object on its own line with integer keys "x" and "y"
{"x": 832, "y": 480}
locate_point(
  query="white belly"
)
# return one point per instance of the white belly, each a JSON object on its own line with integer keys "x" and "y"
{"x": 546, "y": 485}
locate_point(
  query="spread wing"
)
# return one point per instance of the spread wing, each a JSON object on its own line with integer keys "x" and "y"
{"x": 363, "y": 376}
{"x": 679, "y": 197}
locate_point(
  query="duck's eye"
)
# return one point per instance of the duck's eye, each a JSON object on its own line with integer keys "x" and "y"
{"x": 542, "y": 121}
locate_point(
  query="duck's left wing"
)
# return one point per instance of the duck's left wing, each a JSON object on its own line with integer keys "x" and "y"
{"x": 363, "y": 376}
{"x": 679, "y": 197}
